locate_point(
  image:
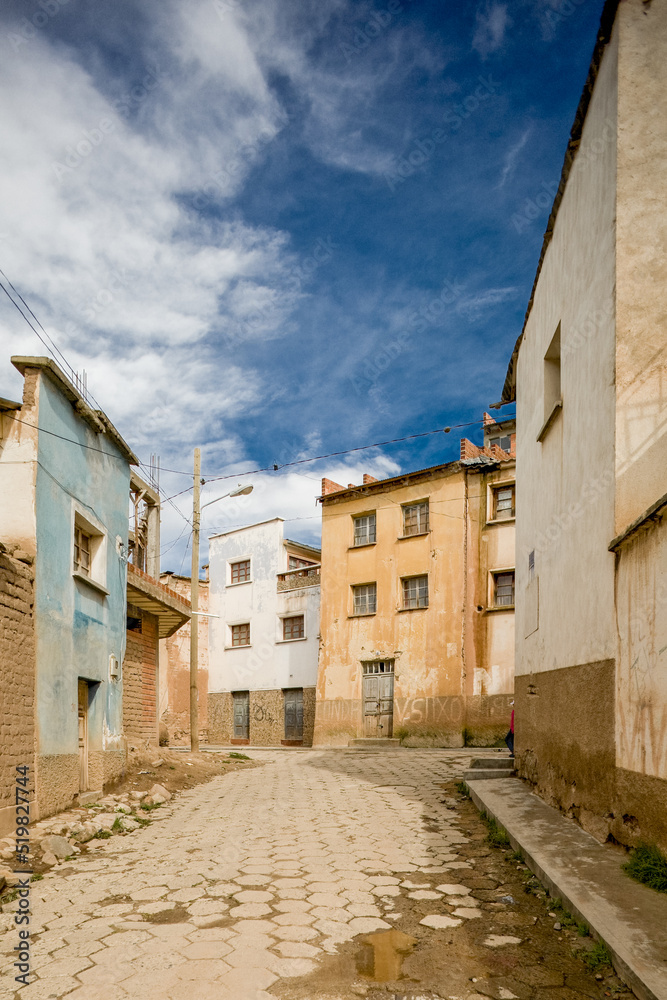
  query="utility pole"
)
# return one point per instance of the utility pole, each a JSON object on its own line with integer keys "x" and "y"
{"x": 194, "y": 598}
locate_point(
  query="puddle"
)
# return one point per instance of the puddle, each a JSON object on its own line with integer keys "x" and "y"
{"x": 381, "y": 955}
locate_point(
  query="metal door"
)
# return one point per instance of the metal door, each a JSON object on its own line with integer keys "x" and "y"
{"x": 241, "y": 715}
{"x": 378, "y": 695}
{"x": 294, "y": 714}
{"x": 83, "y": 736}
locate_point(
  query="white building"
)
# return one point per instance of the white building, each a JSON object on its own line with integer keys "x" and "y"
{"x": 264, "y": 640}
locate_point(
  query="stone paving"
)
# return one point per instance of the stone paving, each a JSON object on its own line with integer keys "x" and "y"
{"x": 250, "y": 879}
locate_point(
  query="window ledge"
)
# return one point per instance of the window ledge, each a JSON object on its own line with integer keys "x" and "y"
{"x": 502, "y": 520}
{"x": 500, "y": 607}
{"x": 555, "y": 410}
{"x": 82, "y": 578}
{"x": 363, "y": 614}
{"x": 301, "y": 638}
{"x": 417, "y": 534}
{"x": 401, "y": 610}
{"x": 246, "y": 645}
{"x": 241, "y": 583}
{"x": 362, "y": 545}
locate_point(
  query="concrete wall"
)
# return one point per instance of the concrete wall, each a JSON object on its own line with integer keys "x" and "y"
{"x": 17, "y": 680}
{"x": 175, "y": 669}
{"x": 270, "y": 664}
{"x": 140, "y": 677}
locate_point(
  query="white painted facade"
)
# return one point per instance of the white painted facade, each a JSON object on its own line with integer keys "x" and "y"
{"x": 269, "y": 662}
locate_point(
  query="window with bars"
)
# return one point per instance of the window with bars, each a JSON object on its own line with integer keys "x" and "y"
{"x": 82, "y": 551}
{"x": 241, "y": 571}
{"x": 415, "y": 518}
{"x": 241, "y": 634}
{"x": 294, "y": 628}
{"x": 364, "y": 529}
{"x": 415, "y": 592}
{"x": 503, "y": 590}
{"x": 503, "y": 502}
{"x": 365, "y": 599}
{"x": 378, "y": 667}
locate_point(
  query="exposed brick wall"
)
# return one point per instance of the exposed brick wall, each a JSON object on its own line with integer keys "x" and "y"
{"x": 17, "y": 679}
{"x": 328, "y": 486}
{"x": 139, "y": 681}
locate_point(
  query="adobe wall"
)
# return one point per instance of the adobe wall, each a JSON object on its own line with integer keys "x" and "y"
{"x": 140, "y": 681}
{"x": 17, "y": 680}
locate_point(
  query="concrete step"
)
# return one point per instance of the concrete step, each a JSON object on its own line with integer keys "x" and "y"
{"x": 502, "y": 762}
{"x": 486, "y": 774}
{"x": 371, "y": 742}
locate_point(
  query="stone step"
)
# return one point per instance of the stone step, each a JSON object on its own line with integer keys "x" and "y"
{"x": 482, "y": 774}
{"x": 487, "y": 763}
{"x": 376, "y": 743}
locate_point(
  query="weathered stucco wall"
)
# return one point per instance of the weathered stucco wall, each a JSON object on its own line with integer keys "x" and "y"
{"x": 641, "y": 263}
{"x": 268, "y": 663}
{"x": 565, "y": 482}
{"x": 18, "y": 469}
{"x": 641, "y": 707}
{"x": 175, "y": 669}
{"x": 17, "y": 680}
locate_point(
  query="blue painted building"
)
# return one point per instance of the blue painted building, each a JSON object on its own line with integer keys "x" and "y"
{"x": 64, "y": 495}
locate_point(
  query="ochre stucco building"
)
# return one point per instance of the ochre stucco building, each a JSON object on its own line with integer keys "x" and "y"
{"x": 417, "y": 613}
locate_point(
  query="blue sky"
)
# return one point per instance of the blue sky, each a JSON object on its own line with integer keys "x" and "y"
{"x": 282, "y": 228}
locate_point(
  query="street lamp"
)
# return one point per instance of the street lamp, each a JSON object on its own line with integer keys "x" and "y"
{"x": 194, "y": 594}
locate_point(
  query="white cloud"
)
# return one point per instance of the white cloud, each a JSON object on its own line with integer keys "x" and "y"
{"x": 491, "y": 22}
{"x": 512, "y": 157}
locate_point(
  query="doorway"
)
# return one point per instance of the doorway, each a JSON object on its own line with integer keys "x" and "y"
{"x": 378, "y": 698}
{"x": 241, "y": 715}
{"x": 83, "y": 736}
{"x": 293, "y": 714}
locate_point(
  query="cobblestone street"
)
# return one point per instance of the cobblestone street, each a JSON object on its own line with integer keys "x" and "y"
{"x": 267, "y": 882}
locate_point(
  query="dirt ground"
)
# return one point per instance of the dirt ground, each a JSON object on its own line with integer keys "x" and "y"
{"x": 174, "y": 769}
{"x": 420, "y": 963}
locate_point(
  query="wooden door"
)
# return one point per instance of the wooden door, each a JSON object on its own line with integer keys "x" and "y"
{"x": 386, "y": 707}
{"x": 83, "y": 736}
{"x": 241, "y": 715}
{"x": 378, "y": 698}
{"x": 294, "y": 714}
{"x": 371, "y": 704}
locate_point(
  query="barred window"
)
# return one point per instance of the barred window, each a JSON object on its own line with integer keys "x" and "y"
{"x": 241, "y": 571}
{"x": 364, "y": 529}
{"x": 241, "y": 634}
{"x": 415, "y": 518}
{"x": 415, "y": 592}
{"x": 365, "y": 599}
{"x": 294, "y": 628}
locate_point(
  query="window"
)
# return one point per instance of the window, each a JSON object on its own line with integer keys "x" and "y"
{"x": 553, "y": 399}
{"x": 378, "y": 667}
{"x": 415, "y": 518}
{"x": 241, "y": 571}
{"x": 296, "y": 563}
{"x": 503, "y": 502}
{"x": 294, "y": 628}
{"x": 503, "y": 442}
{"x": 82, "y": 551}
{"x": 415, "y": 592}
{"x": 89, "y": 560}
{"x": 503, "y": 590}
{"x": 364, "y": 529}
{"x": 365, "y": 599}
{"x": 134, "y": 624}
{"x": 241, "y": 634}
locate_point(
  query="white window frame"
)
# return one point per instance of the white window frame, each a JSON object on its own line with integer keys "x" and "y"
{"x": 422, "y": 518}
{"x": 87, "y": 523}
{"x": 230, "y": 633}
{"x": 232, "y": 562}
{"x": 420, "y": 598}
{"x": 367, "y": 540}
{"x": 358, "y": 604}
